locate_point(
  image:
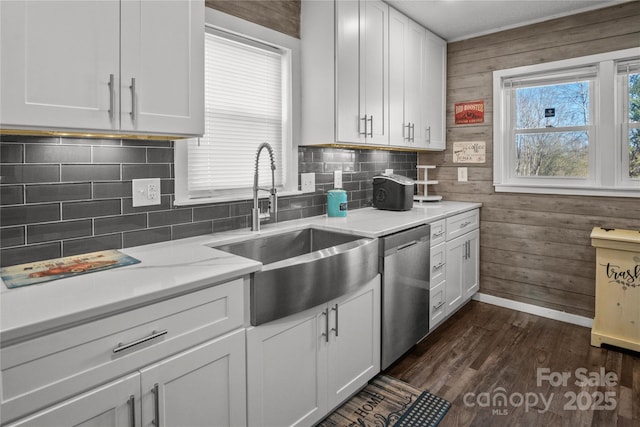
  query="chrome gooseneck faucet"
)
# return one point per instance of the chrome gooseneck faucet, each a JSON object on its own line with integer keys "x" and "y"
{"x": 256, "y": 215}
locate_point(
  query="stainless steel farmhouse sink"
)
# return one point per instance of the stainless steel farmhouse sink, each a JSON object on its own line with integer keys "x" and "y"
{"x": 304, "y": 268}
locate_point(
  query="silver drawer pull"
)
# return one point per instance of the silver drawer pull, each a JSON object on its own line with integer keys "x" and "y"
{"x": 154, "y": 335}
{"x": 438, "y": 234}
{"x": 464, "y": 224}
{"x": 132, "y": 403}
{"x": 439, "y": 266}
{"x": 156, "y": 398}
{"x": 435, "y": 307}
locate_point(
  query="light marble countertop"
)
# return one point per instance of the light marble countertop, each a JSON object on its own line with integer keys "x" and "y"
{"x": 175, "y": 267}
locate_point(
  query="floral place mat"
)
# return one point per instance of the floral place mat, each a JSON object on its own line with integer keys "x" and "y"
{"x": 59, "y": 268}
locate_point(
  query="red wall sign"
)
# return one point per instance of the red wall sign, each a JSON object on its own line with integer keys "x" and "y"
{"x": 469, "y": 112}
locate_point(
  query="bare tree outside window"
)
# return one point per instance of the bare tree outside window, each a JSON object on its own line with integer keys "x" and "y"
{"x": 634, "y": 132}
{"x": 551, "y": 134}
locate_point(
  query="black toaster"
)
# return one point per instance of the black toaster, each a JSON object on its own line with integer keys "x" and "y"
{"x": 393, "y": 192}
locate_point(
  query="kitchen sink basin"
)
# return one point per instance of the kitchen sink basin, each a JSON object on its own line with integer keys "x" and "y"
{"x": 304, "y": 268}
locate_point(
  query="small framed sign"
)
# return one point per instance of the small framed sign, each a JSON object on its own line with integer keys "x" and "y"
{"x": 469, "y": 152}
{"x": 549, "y": 112}
{"x": 469, "y": 112}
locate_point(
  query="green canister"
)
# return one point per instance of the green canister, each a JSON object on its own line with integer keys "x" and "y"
{"x": 337, "y": 202}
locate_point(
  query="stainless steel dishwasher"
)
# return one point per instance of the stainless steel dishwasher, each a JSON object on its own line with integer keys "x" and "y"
{"x": 404, "y": 265}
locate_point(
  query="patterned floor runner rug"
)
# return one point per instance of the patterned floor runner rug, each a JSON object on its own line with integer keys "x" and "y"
{"x": 388, "y": 402}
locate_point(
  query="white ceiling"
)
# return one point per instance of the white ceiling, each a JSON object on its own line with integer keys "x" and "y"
{"x": 455, "y": 20}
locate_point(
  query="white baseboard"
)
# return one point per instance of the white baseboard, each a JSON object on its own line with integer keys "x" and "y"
{"x": 535, "y": 309}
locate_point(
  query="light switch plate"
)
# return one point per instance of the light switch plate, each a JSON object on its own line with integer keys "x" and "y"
{"x": 388, "y": 172}
{"x": 146, "y": 192}
{"x": 337, "y": 179}
{"x": 308, "y": 182}
{"x": 462, "y": 174}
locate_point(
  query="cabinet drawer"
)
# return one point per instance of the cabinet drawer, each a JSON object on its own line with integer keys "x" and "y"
{"x": 437, "y": 264}
{"x": 437, "y": 306}
{"x": 438, "y": 232}
{"x": 42, "y": 371}
{"x": 462, "y": 223}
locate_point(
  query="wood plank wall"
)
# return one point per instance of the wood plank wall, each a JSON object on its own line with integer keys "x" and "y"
{"x": 279, "y": 15}
{"x": 534, "y": 248}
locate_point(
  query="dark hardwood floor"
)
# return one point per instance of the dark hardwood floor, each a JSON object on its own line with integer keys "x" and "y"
{"x": 500, "y": 367}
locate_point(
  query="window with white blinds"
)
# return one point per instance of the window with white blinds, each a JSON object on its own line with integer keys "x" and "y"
{"x": 245, "y": 105}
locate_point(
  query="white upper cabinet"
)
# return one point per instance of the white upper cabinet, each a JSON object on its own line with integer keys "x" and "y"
{"x": 435, "y": 92}
{"x": 69, "y": 65}
{"x": 362, "y": 89}
{"x": 57, "y": 60}
{"x": 406, "y": 81}
{"x": 163, "y": 53}
{"x": 370, "y": 75}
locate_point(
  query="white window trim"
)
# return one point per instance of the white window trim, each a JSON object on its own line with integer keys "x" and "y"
{"x": 607, "y": 181}
{"x": 230, "y": 24}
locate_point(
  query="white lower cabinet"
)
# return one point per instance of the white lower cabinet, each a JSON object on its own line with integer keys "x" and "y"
{"x": 462, "y": 269}
{"x": 203, "y": 386}
{"x": 454, "y": 278}
{"x": 181, "y": 361}
{"x": 302, "y": 366}
{"x": 115, "y": 404}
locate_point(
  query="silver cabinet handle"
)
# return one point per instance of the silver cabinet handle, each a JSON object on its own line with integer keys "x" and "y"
{"x": 371, "y": 127}
{"x": 408, "y": 126}
{"x": 132, "y": 412}
{"x": 438, "y": 234}
{"x": 428, "y": 131}
{"x": 325, "y": 313}
{"x": 464, "y": 224}
{"x": 413, "y": 132}
{"x": 156, "y": 399}
{"x": 364, "y": 119}
{"x": 154, "y": 335}
{"x": 112, "y": 97}
{"x": 134, "y": 113}
{"x": 439, "y": 266}
{"x": 335, "y": 308}
{"x": 435, "y": 307}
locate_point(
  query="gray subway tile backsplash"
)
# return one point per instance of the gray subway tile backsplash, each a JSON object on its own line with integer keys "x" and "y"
{"x": 11, "y": 194}
{"x": 27, "y": 174}
{"x": 67, "y": 203}
{"x": 44, "y": 153}
{"x": 90, "y": 172}
{"x": 58, "y": 192}
{"x": 52, "y": 231}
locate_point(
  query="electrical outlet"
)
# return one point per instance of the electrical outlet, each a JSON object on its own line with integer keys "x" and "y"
{"x": 337, "y": 179}
{"x": 146, "y": 192}
{"x": 462, "y": 174}
{"x": 308, "y": 182}
{"x": 388, "y": 172}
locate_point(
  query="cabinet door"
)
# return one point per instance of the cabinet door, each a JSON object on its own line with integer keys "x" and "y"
{"x": 437, "y": 307}
{"x": 398, "y": 30}
{"x": 471, "y": 266}
{"x": 454, "y": 294}
{"x": 414, "y": 91}
{"x": 434, "y": 92}
{"x": 354, "y": 350}
{"x": 362, "y": 88}
{"x": 374, "y": 69}
{"x": 287, "y": 370}
{"x": 57, "y": 59}
{"x": 349, "y": 126}
{"x": 163, "y": 67}
{"x": 114, "y": 404}
{"x": 200, "y": 387}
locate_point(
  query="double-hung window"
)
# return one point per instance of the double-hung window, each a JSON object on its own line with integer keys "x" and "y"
{"x": 248, "y": 101}
{"x": 629, "y": 94}
{"x": 569, "y": 127}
